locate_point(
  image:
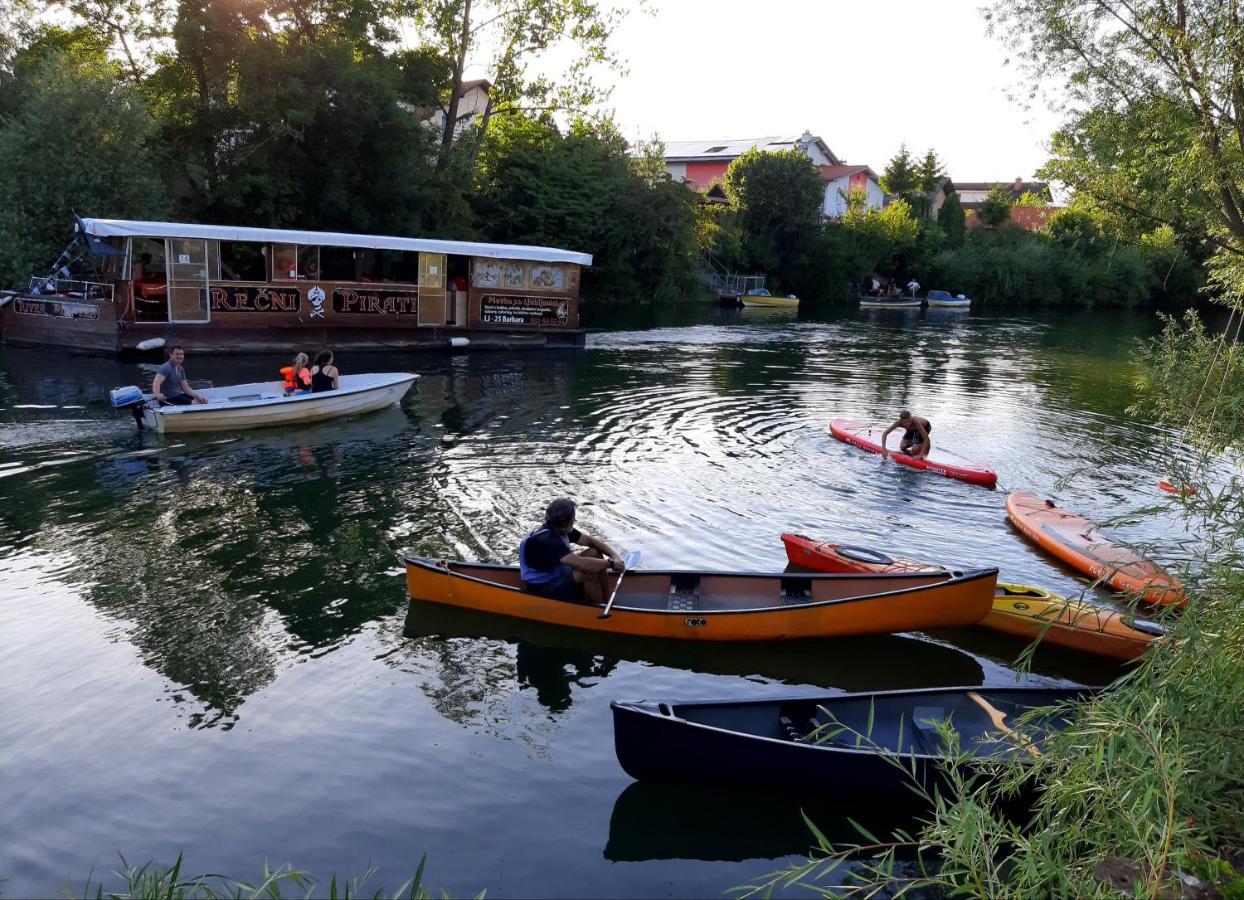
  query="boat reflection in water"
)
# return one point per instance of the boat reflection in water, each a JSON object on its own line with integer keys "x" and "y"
{"x": 659, "y": 821}
{"x": 551, "y": 658}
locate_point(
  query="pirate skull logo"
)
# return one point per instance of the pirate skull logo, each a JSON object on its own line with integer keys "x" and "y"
{"x": 316, "y": 296}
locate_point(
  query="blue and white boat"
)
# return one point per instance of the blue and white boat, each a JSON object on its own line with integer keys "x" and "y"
{"x": 943, "y": 298}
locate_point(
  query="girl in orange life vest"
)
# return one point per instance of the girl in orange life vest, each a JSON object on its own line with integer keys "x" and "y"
{"x": 297, "y": 375}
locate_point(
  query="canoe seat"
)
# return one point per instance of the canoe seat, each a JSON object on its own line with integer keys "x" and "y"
{"x": 797, "y": 728}
{"x": 796, "y": 591}
{"x": 684, "y": 592}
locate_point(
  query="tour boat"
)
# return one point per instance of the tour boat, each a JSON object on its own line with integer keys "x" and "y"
{"x": 845, "y": 744}
{"x": 943, "y": 299}
{"x": 724, "y": 606}
{"x": 761, "y": 297}
{"x": 264, "y": 404}
{"x": 120, "y": 285}
{"x": 867, "y": 302}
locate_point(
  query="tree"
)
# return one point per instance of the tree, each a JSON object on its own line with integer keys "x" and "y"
{"x": 931, "y": 173}
{"x": 778, "y": 199}
{"x": 996, "y": 208}
{"x": 882, "y": 237}
{"x": 1153, "y": 121}
{"x": 1074, "y": 229}
{"x": 75, "y": 139}
{"x": 950, "y": 217}
{"x": 902, "y": 176}
{"x": 506, "y": 37}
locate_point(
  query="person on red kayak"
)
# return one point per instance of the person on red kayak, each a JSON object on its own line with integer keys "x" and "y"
{"x": 916, "y": 441}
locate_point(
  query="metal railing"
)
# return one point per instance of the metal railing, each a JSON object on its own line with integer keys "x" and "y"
{"x": 70, "y": 287}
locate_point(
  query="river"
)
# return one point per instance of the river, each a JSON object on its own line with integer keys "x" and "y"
{"x": 206, "y": 644}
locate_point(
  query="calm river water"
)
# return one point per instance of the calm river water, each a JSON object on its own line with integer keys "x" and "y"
{"x": 206, "y": 643}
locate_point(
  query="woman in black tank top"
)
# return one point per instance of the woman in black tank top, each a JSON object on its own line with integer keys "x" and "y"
{"x": 324, "y": 375}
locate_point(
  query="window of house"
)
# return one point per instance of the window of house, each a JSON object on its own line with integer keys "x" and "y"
{"x": 715, "y": 149}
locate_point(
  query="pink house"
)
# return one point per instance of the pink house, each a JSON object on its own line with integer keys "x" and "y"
{"x": 841, "y": 180}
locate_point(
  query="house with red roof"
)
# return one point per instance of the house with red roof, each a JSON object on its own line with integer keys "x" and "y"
{"x": 841, "y": 180}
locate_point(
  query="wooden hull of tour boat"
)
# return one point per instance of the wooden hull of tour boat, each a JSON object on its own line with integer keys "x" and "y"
{"x": 841, "y": 744}
{"x": 263, "y": 405}
{"x": 758, "y": 300}
{"x": 724, "y": 606}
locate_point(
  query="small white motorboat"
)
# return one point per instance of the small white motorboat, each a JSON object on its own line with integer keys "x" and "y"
{"x": 867, "y": 302}
{"x": 264, "y": 404}
{"x": 944, "y": 300}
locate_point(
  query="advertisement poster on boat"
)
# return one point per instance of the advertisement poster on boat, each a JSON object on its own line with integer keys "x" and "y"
{"x": 249, "y": 299}
{"x": 58, "y": 309}
{"x": 352, "y": 301}
{"x": 499, "y": 309}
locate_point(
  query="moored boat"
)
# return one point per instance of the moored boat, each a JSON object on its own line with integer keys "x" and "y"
{"x": 761, "y": 297}
{"x": 1082, "y": 545}
{"x": 944, "y": 299}
{"x": 264, "y": 404}
{"x": 867, "y": 302}
{"x": 840, "y": 744}
{"x": 1019, "y": 610}
{"x": 724, "y": 606}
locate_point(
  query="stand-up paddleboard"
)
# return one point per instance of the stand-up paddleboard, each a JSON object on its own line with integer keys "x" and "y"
{"x": 1081, "y": 544}
{"x": 943, "y": 462}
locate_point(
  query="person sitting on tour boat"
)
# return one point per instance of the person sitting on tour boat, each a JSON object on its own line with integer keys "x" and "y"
{"x": 916, "y": 440}
{"x": 170, "y": 386}
{"x": 324, "y": 375}
{"x": 297, "y": 375}
{"x": 912, "y": 287}
{"x": 550, "y": 568}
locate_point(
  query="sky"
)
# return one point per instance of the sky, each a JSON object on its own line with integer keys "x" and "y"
{"x": 864, "y": 76}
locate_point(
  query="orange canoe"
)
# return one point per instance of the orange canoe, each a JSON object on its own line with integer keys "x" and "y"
{"x": 1081, "y": 544}
{"x": 724, "y": 606}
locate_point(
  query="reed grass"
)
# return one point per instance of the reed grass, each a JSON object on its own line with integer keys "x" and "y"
{"x": 151, "y": 881}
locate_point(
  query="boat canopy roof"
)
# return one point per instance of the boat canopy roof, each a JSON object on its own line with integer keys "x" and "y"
{"x": 127, "y": 228}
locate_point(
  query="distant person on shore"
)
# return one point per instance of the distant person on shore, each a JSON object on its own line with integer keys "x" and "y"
{"x": 170, "y": 386}
{"x": 550, "y": 567}
{"x": 916, "y": 440}
{"x": 324, "y": 375}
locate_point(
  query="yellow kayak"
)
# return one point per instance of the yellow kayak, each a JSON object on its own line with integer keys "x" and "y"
{"x": 1029, "y": 612}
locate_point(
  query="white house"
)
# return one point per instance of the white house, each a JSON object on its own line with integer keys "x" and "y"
{"x": 472, "y": 101}
{"x": 841, "y": 179}
{"x": 701, "y": 163}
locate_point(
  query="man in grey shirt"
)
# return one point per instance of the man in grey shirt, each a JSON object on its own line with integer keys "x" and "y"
{"x": 170, "y": 385}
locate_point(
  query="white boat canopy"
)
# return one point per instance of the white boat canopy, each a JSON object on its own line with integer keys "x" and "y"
{"x": 126, "y": 228}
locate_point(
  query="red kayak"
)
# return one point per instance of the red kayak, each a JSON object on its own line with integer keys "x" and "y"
{"x": 943, "y": 462}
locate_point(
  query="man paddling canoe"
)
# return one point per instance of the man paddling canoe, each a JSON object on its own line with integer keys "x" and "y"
{"x": 916, "y": 441}
{"x": 552, "y": 569}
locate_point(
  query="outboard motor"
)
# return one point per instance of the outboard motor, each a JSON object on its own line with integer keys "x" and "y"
{"x": 131, "y": 398}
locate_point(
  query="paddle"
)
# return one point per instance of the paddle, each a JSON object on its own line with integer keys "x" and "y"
{"x": 629, "y": 563}
{"x": 998, "y": 717}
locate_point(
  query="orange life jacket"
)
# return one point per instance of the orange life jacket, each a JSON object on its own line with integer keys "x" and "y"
{"x": 288, "y": 373}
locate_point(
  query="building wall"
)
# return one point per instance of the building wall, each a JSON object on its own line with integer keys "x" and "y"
{"x": 836, "y": 191}
{"x": 702, "y": 174}
{"x": 1029, "y": 218}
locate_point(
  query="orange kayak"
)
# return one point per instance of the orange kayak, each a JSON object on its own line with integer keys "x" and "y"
{"x": 1081, "y": 544}
{"x": 724, "y": 606}
{"x": 1026, "y": 612}
{"x": 1031, "y": 612}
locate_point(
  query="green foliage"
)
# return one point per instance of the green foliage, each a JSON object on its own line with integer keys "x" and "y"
{"x": 1074, "y": 229}
{"x": 902, "y": 174}
{"x": 951, "y": 219}
{"x": 72, "y": 138}
{"x": 776, "y": 200}
{"x": 537, "y": 185}
{"x": 881, "y": 237}
{"x": 996, "y": 208}
{"x": 155, "y": 882}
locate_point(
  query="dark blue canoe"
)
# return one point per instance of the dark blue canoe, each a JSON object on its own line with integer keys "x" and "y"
{"x": 790, "y": 742}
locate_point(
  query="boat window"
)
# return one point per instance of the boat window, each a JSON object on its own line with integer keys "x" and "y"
{"x": 293, "y": 262}
{"x": 337, "y": 264}
{"x": 388, "y": 266}
{"x": 238, "y": 261}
